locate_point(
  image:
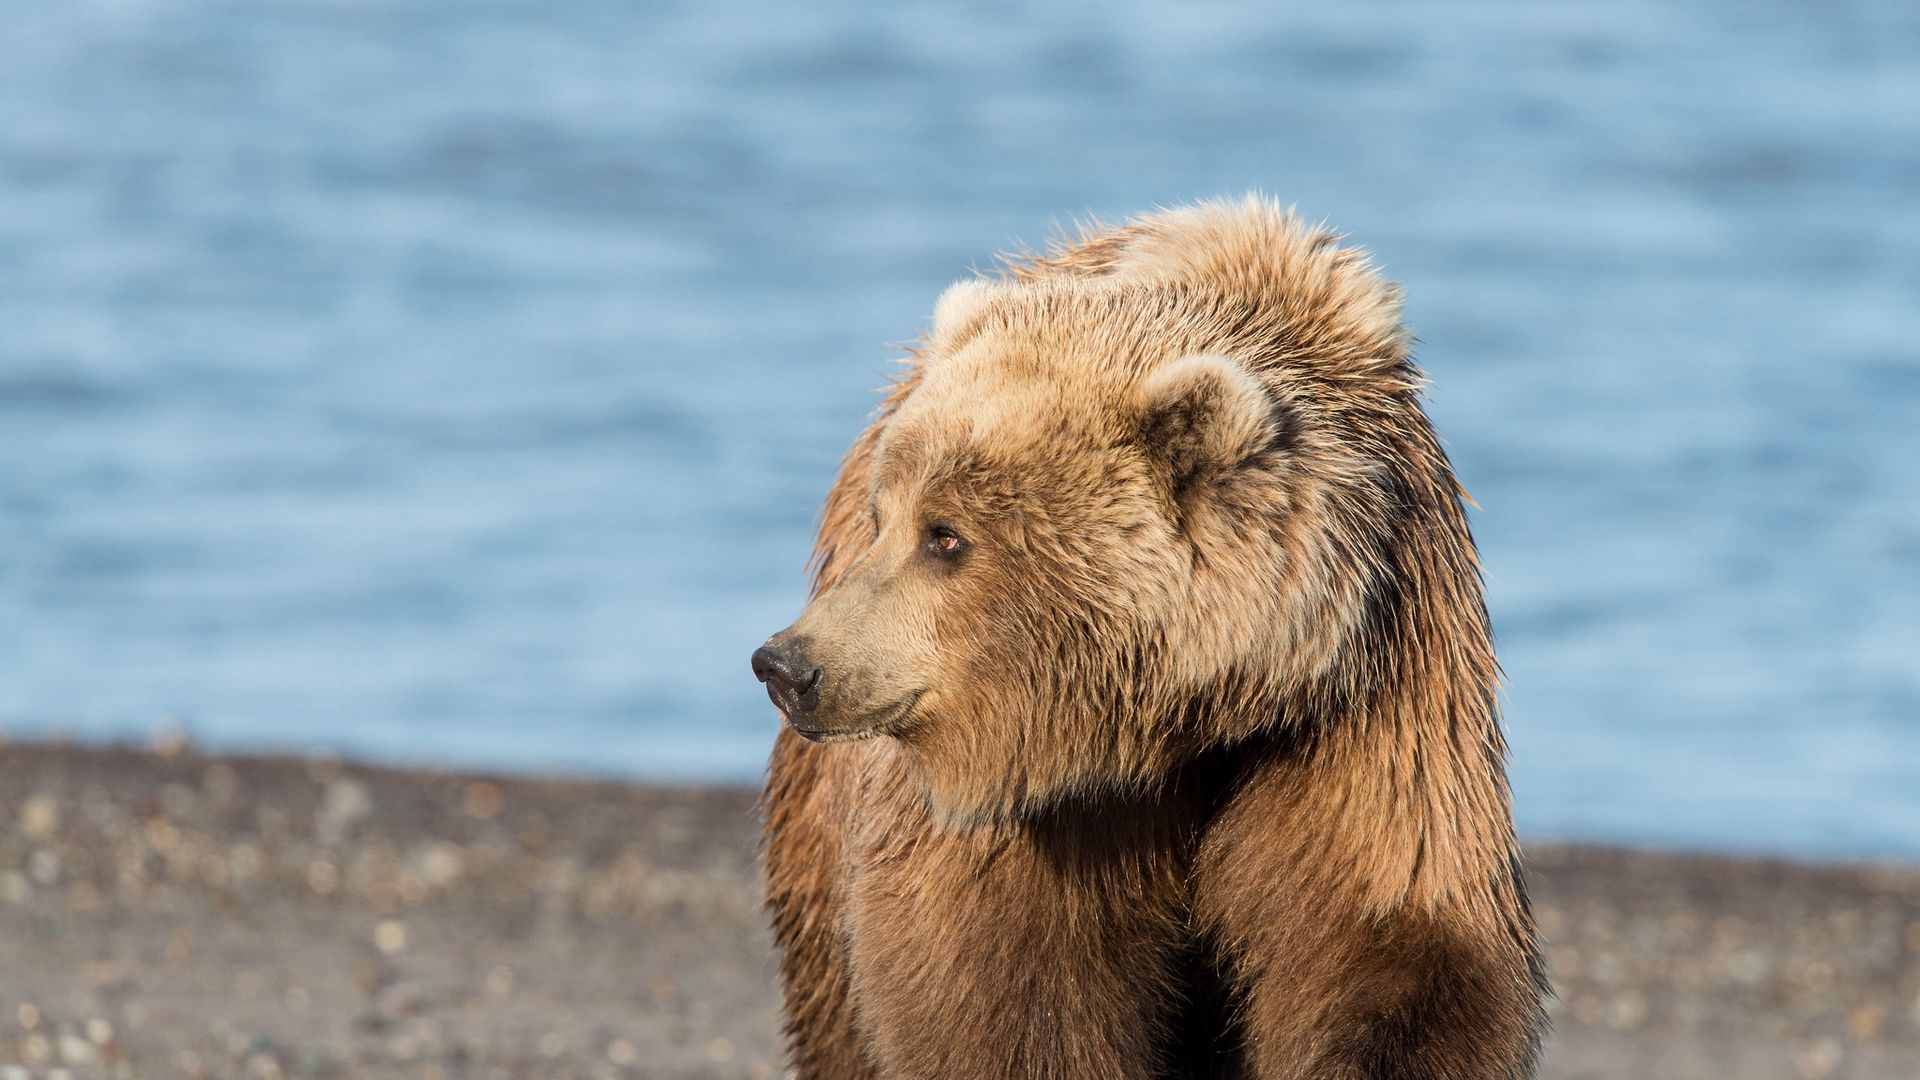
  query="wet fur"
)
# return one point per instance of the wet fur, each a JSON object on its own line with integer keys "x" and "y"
{"x": 1303, "y": 868}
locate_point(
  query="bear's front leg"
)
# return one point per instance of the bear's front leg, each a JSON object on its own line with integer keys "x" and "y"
{"x": 1357, "y": 952}
{"x": 1041, "y": 948}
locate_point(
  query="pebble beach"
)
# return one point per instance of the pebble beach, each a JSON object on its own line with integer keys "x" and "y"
{"x": 165, "y": 912}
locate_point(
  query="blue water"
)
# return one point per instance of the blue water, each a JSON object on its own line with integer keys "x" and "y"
{"x": 455, "y": 380}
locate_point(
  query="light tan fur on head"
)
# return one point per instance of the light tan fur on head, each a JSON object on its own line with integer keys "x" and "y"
{"x": 1161, "y": 472}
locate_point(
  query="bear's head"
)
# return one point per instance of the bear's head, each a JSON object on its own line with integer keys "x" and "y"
{"x": 1119, "y": 514}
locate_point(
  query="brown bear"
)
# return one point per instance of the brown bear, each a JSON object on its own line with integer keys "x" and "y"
{"x": 1143, "y": 720}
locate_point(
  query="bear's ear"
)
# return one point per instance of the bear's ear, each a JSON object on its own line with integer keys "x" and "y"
{"x": 960, "y": 307}
{"x": 1203, "y": 415}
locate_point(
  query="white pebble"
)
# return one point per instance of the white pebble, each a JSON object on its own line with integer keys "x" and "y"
{"x": 390, "y": 936}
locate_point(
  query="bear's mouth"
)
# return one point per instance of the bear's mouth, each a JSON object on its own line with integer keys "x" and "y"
{"x": 886, "y": 721}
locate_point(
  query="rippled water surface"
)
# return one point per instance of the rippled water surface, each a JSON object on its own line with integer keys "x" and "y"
{"x": 456, "y": 381}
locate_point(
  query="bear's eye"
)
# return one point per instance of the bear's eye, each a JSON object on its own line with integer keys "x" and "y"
{"x": 943, "y": 541}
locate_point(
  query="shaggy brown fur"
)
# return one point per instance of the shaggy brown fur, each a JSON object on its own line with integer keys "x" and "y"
{"x": 1152, "y": 694}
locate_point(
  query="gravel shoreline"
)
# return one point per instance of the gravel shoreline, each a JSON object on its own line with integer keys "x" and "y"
{"x": 165, "y": 912}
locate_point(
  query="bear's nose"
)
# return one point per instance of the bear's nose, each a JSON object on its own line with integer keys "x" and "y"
{"x": 792, "y": 681}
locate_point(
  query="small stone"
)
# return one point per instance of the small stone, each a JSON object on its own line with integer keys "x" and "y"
{"x": 622, "y": 1052}
{"x": 483, "y": 800}
{"x": 100, "y": 1031}
{"x": 390, "y": 936}
{"x": 1750, "y": 967}
{"x": 323, "y": 877}
{"x": 243, "y": 862}
{"x": 342, "y": 805}
{"x": 1820, "y": 1058}
{"x": 1627, "y": 1011}
{"x": 43, "y": 867}
{"x": 29, "y": 1015}
{"x": 441, "y": 864}
{"x": 75, "y": 1050}
{"x": 14, "y": 1072}
{"x": 39, "y": 817}
{"x": 553, "y": 1044}
{"x": 1865, "y": 1022}
{"x": 162, "y": 835}
{"x": 719, "y": 1051}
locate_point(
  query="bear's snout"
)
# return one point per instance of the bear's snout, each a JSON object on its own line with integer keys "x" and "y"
{"x": 793, "y": 681}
